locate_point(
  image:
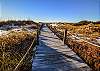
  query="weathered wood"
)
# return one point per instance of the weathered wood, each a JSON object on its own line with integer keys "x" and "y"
{"x": 65, "y": 36}
{"x": 27, "y": 53}
{"x": 38, "y": 32}
{"x": 87, "y": 50}
{"x": 53, "y": 55}
{"x": 39, "y": 26}
{"x": 37, "y": 42}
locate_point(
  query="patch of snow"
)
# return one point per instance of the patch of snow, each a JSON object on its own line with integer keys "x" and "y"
{"x": 2, "y": 32}
{"x": 53, "y": 25}
{"x": 98, "y": 40}
{"x": 16, "y": 29}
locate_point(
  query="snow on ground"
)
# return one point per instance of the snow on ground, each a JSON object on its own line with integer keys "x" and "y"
{"x": 3, "y": 32}
{"x": 54, "y": 25}
{"x": 17, "y": 29}
{"x": 81, "y": 37}
{"x": 98, "y": 40}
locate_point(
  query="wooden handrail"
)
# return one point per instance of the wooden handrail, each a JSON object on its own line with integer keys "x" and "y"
{"x": 37, "y": 41}
{"x": 74, "y": 35}
{"x": 25, "y": 54}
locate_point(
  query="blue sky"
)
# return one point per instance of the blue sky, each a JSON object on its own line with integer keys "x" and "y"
{"x": 0, "y": 9}
{"x": 51, "y": 10}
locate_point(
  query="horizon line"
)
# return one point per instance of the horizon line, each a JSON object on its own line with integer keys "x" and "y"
{"x": 47, "y": 20}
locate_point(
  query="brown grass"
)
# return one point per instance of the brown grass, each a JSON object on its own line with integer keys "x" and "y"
{"x": 12, "y": 48}
{"x": 88, "y": 52}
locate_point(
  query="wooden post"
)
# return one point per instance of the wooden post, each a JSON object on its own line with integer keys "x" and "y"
{"x": 38, "y": 32}
{"x": 65, "y": 36}
{"x": 54, "y": 30}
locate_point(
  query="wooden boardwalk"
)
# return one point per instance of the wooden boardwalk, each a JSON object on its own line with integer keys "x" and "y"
{"x": 53, "y": 55}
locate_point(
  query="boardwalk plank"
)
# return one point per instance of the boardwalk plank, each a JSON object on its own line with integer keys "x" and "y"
{"x": 53, "y": 55}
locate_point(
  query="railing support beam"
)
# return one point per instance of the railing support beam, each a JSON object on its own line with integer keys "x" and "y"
{"x": 65, "y": 36}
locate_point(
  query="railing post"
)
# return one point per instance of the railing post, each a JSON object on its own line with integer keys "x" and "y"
{"x": 65, "y": 36}
{"x": 38, "y": 32}
{"x": 37, "y": 41}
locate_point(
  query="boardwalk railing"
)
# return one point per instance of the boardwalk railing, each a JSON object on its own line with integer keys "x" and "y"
{"x": 18, "y": 57}
{"x": 28, "y": 53}
{"x": 88, "y": 51}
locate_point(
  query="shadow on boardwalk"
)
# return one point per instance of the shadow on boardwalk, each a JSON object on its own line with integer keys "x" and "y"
{"x": 53, "y": 57}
